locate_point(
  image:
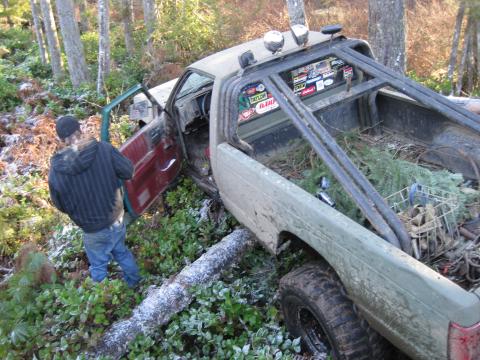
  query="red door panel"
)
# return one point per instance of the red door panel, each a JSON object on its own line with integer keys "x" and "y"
{"x": 156, "y": 159}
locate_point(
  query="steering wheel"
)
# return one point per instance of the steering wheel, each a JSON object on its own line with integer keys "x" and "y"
{"x": 205, "y": 104}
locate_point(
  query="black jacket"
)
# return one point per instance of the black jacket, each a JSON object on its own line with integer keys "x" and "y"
{"x": 85, "y": 183}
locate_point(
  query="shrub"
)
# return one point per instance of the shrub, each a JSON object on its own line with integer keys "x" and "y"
{"x": 8, "y": 94}
{"x": 24, "y": 212}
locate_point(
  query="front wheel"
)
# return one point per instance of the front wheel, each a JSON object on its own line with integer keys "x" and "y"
{"x": 316, "y": 308}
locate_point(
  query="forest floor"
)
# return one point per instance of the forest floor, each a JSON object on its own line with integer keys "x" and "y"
{"x": 236, "y": 316}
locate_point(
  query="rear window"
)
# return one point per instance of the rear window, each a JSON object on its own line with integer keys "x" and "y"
{"x": 305, "y": 81}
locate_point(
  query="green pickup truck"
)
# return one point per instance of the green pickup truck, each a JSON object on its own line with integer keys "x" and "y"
{"x": 402, "y": 271}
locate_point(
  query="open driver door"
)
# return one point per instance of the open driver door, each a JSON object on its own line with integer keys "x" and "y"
{"x": 153, "y": 150}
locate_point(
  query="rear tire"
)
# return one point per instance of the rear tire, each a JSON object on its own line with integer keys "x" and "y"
{"x": 316, "y": 308}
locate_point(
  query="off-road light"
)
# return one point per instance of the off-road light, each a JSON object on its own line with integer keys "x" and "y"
{"x": 273, "y": 41}
{"x": 300, "y": 34}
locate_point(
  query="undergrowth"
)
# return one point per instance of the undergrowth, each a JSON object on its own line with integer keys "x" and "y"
{"x": 236, "y": 317}
{"x": 25, "y": 214}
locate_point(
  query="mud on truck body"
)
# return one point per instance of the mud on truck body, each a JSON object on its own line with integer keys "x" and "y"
{"x": 231, "y": 112}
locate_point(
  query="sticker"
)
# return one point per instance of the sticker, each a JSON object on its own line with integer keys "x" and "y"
{"x": 309, "y": 81}
{"x": 266, "y": 105}
{"x": 337, "y": 63}
{"x": 258, "y": 97}
{"x": 347, "y": 72}
{"x": 301, "y": 70}
{"x": 328, "y": 74}
{"x": 301, "y": 78}
{"x": 299, "y": 87}
{"x": 320, "y": 85}
{"x": 308, "y": 91}
{"x": 251, "y": 91}
{"x": 322, "y": 66}
{"x": 246, "y": 114}
{"x": 260, "y": 87}
{"x": 313, "y": 74}
{"x": 328, "y": 82}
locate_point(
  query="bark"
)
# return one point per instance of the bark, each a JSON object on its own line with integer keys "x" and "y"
{"x": 77, "y": 66}
{"x": 103, "y": 44}
{"x": 174, "y": 295}
{"x": 149, "y": 17}
{"x": 5, "y": 9}
{"x": 466, "y": 50}
{"x": 52, "y": 39}
{"x": 127, "y": 25}
{"x": 470, "y": 104}
{"x": 478, "y": 51}
{"x": 37, "y": 24}
{"x": 386, "y": 32}
{"x": 296, "y": 12}
{"x": 471, "y": 58}
{"x": 455, "y": 41}
{"x": 84, "y": 23}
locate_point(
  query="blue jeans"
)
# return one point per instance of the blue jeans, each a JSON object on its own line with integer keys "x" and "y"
{"x": 106, "y": 244}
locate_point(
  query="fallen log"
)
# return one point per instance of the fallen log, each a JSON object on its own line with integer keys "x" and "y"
{"x": 469, "y": 103}
{"x": 173, "y": 296}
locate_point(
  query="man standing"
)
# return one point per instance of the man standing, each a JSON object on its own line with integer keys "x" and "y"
{"x": 85, "y": 183}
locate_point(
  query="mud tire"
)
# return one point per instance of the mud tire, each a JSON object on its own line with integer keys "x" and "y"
{"x": 317, "y": 309}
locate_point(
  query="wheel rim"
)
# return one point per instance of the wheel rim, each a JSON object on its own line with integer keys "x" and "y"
{"x": 315, "y": 336}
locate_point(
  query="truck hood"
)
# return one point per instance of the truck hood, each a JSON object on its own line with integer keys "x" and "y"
{"x": 160, "y": 93}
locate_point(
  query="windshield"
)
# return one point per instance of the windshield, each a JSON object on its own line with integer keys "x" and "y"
{"x": 194, "y": 83}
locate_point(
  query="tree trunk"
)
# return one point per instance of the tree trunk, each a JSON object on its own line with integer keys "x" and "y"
{"x": 386, "y": 32}
{"x": 466, "y": 50}
{"x": 149, "y": 17}
{"x": 296, "y": 12}
{"x": 127, "y": 25}
{"x": 456, "y": 39}
{"x": 84, "y": 23}
{"x": 103, "y": 44}
{"x": 174, "y": 295}
{"x": 37, "y": 24}
{"x": 471, "y": 57}
{"x": 5, "y": 9}
{"x": 52, "y": 39}
{"x": 77, "y": 65}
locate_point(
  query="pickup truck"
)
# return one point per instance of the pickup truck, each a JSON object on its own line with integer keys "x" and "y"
{"x": 228, "y": 112}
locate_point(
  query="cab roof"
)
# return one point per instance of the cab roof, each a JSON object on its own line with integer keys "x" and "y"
{"x": 225, "y": 62}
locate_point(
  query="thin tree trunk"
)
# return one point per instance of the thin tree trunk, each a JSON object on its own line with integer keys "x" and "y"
{"x": 84, "y": 23}
{"x": 37, "y": 24}
{"x": 149, "y": 17}
{"x": 52, "y": 39}
{"x": 77, "y": 65}
{"x": 478, "y": 52}
{"x": 456, "y": 39}
{"x": 463, "y": 62}
{"x": 296, "y": 12}
{"x": 471, "y": 59}
{"x": 127, "y": 25}
{"x": 386, "y": 32}
{"x": 103, "y": 44}
{"x": 5, "y": 9}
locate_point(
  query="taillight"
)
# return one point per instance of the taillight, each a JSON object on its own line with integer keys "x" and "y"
{"x": 464, "y": 342}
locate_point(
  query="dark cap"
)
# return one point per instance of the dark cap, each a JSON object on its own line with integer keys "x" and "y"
{"x": 66, "y": 126}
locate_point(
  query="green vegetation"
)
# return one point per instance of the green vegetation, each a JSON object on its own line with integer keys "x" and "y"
{"x": 24, "y": 212}
{"x": 388, "y": 166}
{"x": 235, "y": 317}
